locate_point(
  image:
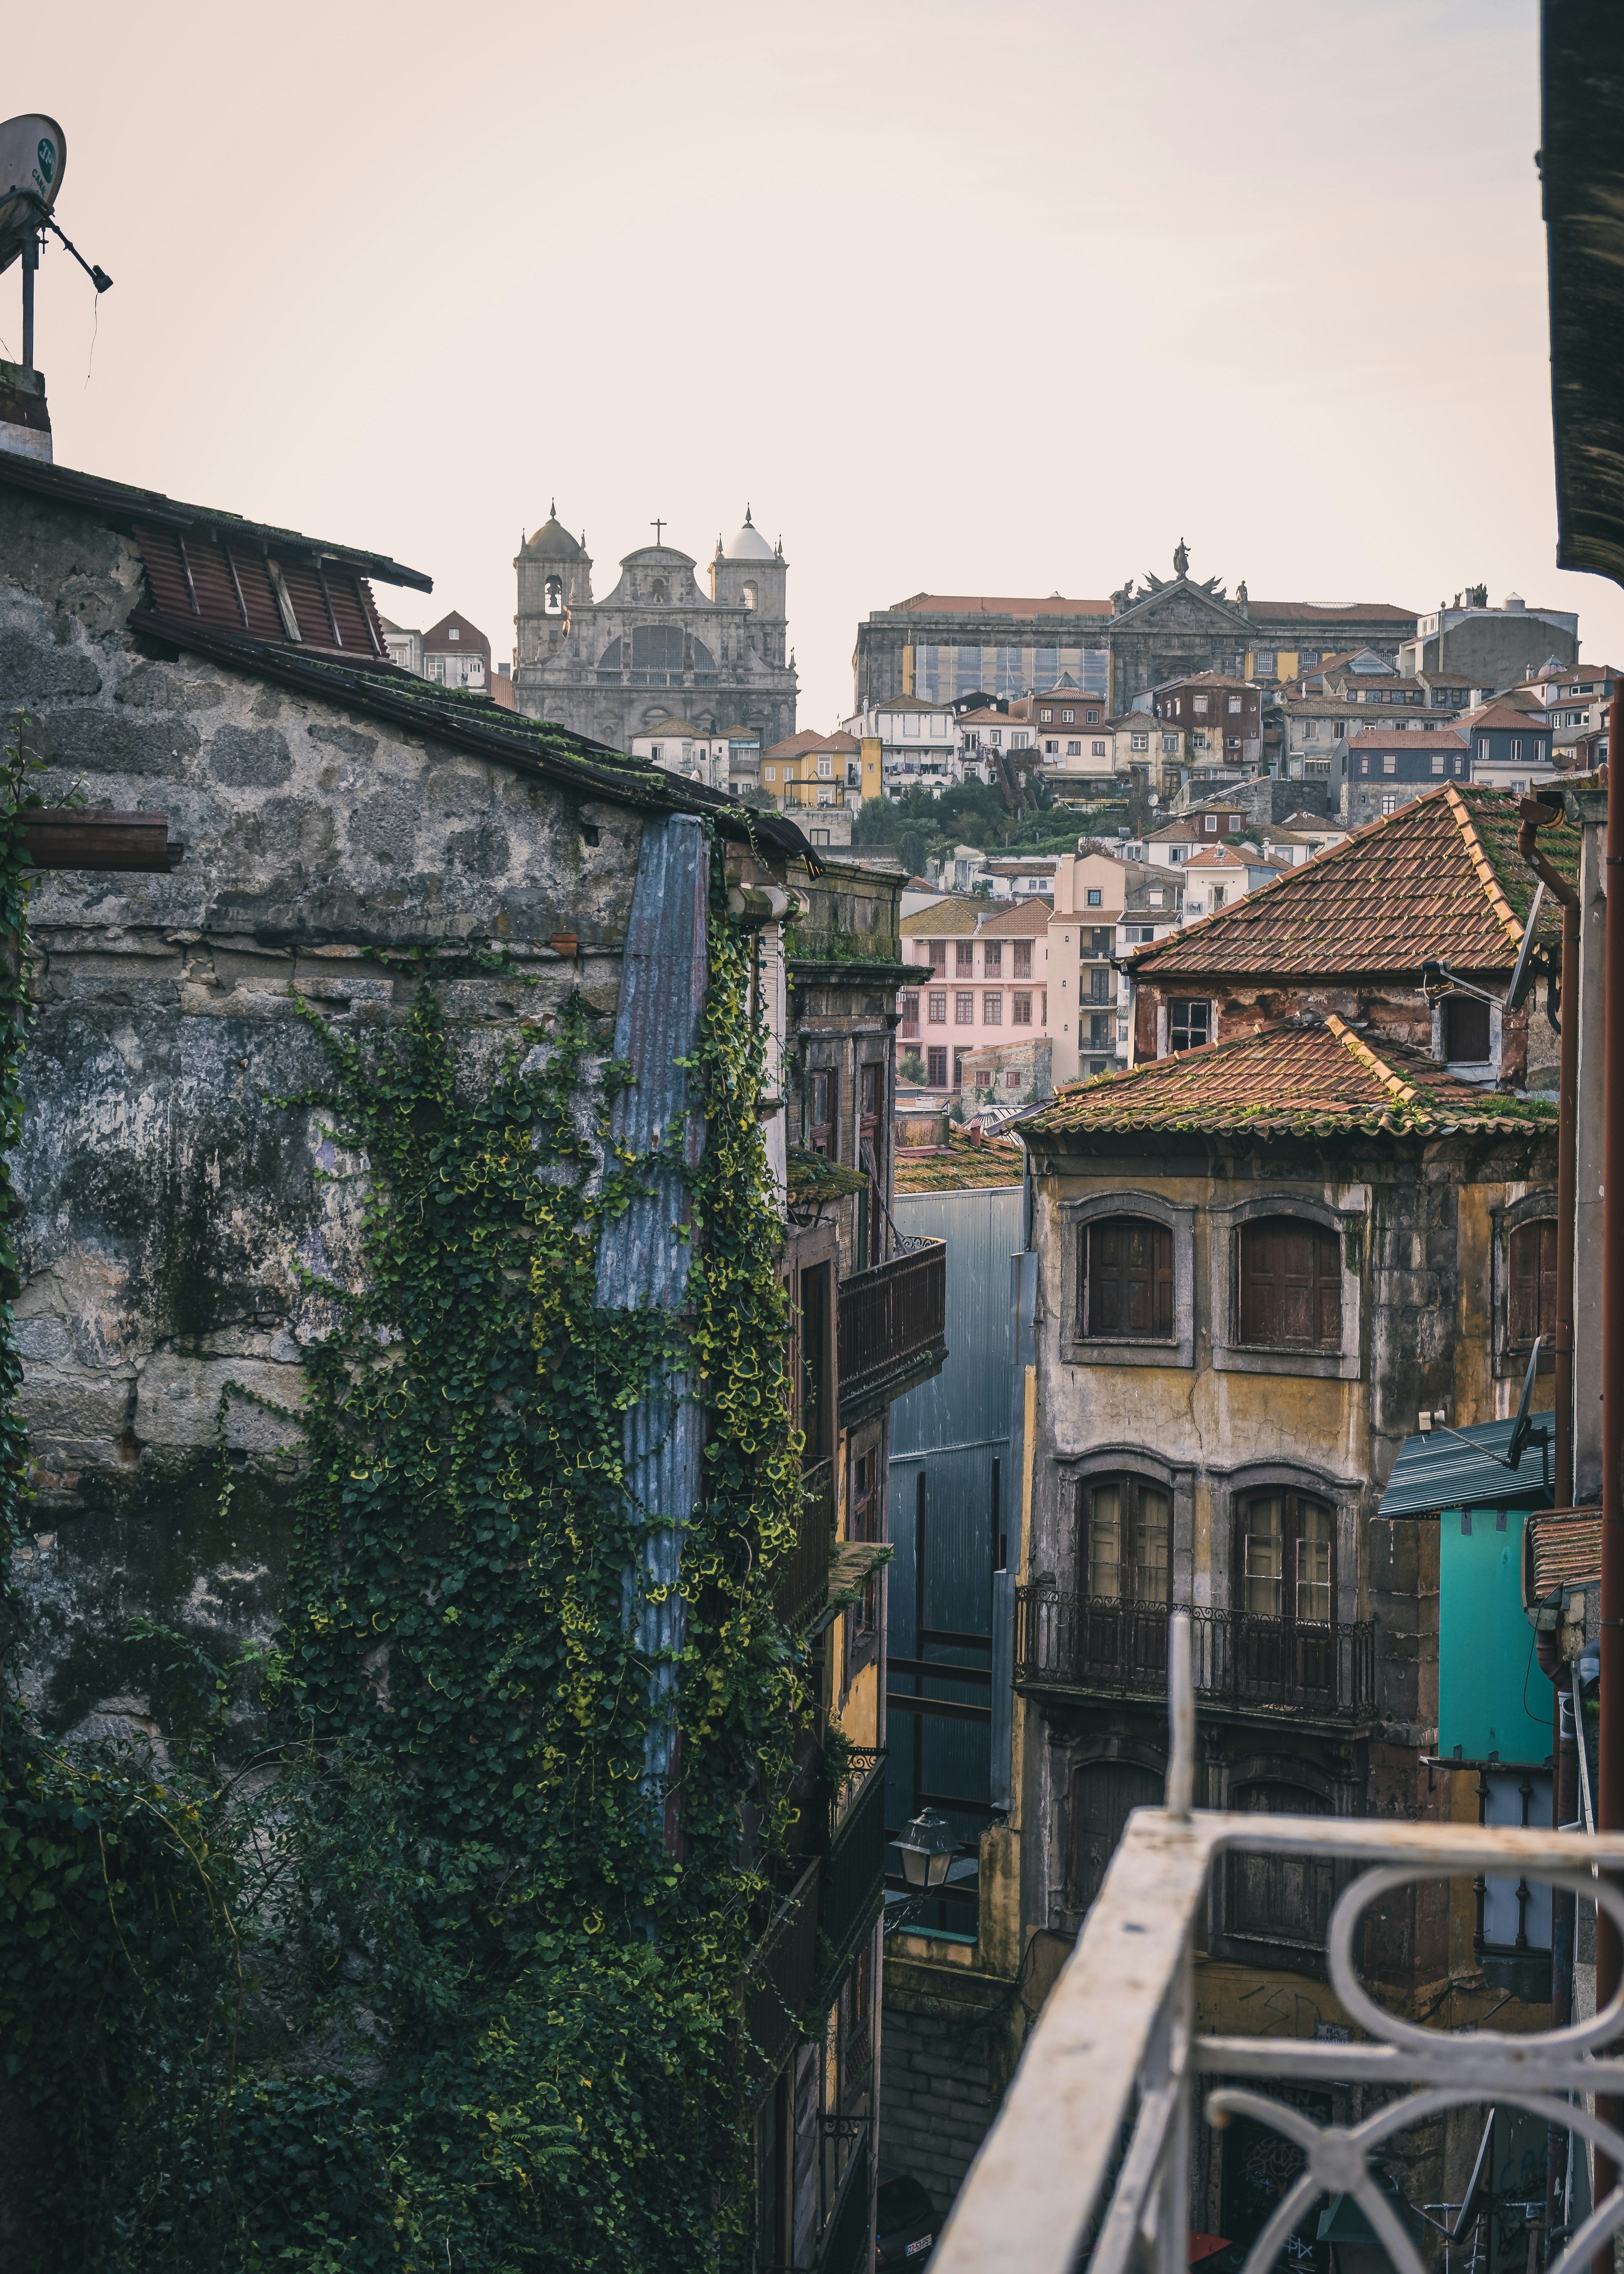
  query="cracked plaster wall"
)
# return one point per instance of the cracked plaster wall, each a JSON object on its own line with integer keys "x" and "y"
{"x": 166, "y": 1200}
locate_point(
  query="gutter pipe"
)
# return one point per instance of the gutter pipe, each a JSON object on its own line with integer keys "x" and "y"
{"x": 1534, "y": 816}
{"x": 1610, "y": 1782}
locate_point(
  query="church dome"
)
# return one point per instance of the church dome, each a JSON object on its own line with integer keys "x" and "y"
{"x": 748, "y": 543}
{"x": 553, "y": 541}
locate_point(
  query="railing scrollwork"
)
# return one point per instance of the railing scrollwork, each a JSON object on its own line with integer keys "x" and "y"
{"x": 1090, "y": 2152}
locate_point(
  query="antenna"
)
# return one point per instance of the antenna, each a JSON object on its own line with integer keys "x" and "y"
{"x": 1522, "y": 976}
{"x": 34, "y": 158}
{"x": 1523, "y": 1428}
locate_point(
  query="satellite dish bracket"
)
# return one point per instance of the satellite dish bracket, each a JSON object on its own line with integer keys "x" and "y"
{"x": 97, "y": 274}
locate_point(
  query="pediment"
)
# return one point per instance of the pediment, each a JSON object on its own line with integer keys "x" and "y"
{"x": 1182, "y": 606}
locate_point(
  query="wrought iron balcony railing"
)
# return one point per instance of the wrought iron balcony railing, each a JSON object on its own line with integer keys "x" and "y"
{"x": 1091, "y": 1643}
{"x": 847, "y": 2244}
{"x": 1092, "y": 2156}
{"x": 853, "y": 1881}
{"x": 801, "y": 1584}
{"x": 893, "y": 1322}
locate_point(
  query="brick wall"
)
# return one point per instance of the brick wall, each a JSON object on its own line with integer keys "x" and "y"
{"x": 934, "y": 2108}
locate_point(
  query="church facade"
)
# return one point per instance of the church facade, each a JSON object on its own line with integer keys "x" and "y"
{"x": 939, "y": 646}
{"x": 658, "y": 647}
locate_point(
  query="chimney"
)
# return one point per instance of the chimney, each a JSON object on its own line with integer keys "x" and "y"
{"x": 25, "y": 422}
{"x": 1064, "y": 885}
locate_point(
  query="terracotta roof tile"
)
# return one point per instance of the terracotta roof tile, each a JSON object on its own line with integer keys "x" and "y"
{"x": 1305, "y": 1076}
{"x": 1441, "y": 877}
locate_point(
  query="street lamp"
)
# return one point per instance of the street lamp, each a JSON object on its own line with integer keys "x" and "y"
{"x": 927, "y": 1846}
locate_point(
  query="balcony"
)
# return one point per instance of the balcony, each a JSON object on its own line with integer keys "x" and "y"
{"x": 846, "y": 2246}
{"x": 1091, "y": 1645}
{"x": 800, "y": 1582}
{"x": 1104, "y": 2130}
{"x": 780, "y": 1983}
{"x": 853, "y": 1887}
{"x": 893, "y": 1324}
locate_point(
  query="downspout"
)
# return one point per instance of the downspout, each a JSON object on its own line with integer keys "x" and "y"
{"x": 1610, "y": 1780}
{"x": 1535, "y": 815}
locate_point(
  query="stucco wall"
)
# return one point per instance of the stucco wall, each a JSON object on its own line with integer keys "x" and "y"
{"x": 168, "y": 1201}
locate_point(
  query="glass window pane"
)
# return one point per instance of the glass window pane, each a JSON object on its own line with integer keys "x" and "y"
{"x": 1265, "y": 1551}
{"x": 1313, "y": 1562}
{"x": 1153, "y": 1547}
{"x": 1105, "y": 1542}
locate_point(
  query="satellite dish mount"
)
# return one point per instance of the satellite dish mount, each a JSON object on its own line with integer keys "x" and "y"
{"x": 34, "y": 158}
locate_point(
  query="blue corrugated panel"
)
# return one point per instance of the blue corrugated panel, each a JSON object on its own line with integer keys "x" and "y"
{"x": 642, "y": 1257}
{"x": 1450, "y": 1469}
{"x": 953, "y": 1430}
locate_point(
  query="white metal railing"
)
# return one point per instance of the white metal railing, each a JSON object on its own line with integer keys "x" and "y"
{"x": 1092, "y": 2146}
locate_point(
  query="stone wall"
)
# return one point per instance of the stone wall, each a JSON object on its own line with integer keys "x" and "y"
{"x": 935, "y": 2104}
{"x": 170, "y": 1203}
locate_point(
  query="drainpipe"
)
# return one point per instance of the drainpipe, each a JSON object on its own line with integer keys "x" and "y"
{"x": 1610, "y": 1782}
{"x": 1535, "y": 815}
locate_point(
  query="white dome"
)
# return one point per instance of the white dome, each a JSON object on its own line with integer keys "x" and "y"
{"x": 748, "y": 543}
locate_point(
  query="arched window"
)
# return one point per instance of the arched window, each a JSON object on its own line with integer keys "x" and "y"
{"x": 1277, "y": 1898}
{"x": 1127, "y": 1535}
{"x": 749, "y": 596}
{"x": 1104, "y": 1794}
{"x": 1287, "y": 1550}
{"x": 1290, "y": 1285}
{"x": 552, "y": 597}
{"x": 657, "y": 647}
{"x": 1127, "y": 1279}
{"x": 1531, "y": 1306}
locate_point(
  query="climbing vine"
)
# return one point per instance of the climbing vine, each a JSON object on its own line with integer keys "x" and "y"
{"x": 426, "y": 1983}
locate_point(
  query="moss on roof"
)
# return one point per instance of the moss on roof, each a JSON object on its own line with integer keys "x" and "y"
{"x": 1305, "y": 1077}
{"x": 963, "y": 1166}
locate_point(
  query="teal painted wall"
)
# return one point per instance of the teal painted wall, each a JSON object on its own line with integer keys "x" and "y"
{"x": 1485, "y": 1666}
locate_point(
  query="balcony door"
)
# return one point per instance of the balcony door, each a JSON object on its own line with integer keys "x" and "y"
{"x": 1125, "y": 1557}
{"x": 1284, "y": 1645}
{"x": 1104, "y": 1794}
{"x": 870, "y": 1215}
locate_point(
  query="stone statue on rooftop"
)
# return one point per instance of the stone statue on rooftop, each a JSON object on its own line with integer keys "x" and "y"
{"x": 1181, "y": 559}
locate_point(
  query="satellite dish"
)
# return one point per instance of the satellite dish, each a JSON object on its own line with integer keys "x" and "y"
{"x": 1522, "y": 1428}
{"x": 33, "y": 157}
{"x": 1522, "y": 977}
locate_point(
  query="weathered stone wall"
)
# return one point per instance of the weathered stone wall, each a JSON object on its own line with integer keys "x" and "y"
{"x": 935, "y": 2105}
{"x": 170, "y": 1203}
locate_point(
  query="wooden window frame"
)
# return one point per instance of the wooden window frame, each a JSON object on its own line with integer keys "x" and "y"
{"x": 1244, "y": 1501}
{"x": 1128, "y": 1483}
{"x": 1078, "y": 1347}
{"x": 1324, "y": 1275}
{"x": 1095, "y": 1269}
{"x": 1346, "y": 1218}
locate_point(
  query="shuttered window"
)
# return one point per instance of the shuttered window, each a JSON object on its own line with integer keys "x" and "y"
{"x": 1128, "y": 1278}
{"x": 1532, "y": 1309}
{"x": 1290, "y": 1285}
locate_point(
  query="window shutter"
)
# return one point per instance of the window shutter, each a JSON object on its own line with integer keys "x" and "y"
{"x": 1105, "y": 1279}
{"x": 1164, "y": 1280}
{"x": 1328, "y": 1289}
{"x": 1260, "y": 1296}
{"x": 1291, "y": 1285}
{"x": 1532, "y": 1309}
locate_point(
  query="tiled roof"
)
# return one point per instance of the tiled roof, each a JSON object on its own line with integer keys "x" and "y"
{"x": 968, "y": 604}
{"x": 1027, "y": 917}
{"x": 937, "y": 922}
{"x": 1561, "y": 1547}
{"x": 1441, "y": 877}
{"x": 1305, "y": 1076}
{"x": 796, "y": 745}
{"x": 1505, "y": 717}
{"x": 996, "y": 1162}
{"x": 1407, "y": 738}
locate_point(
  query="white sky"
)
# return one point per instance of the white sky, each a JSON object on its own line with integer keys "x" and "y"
{"x": 961, "y": 296}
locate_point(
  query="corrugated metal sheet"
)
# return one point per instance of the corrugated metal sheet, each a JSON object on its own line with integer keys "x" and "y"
{"x": 1440, "y": 1470}
{"x": 951, "y": 1431}
{"x": 968, "y": 1402}
{"x": 643, "y": 1259}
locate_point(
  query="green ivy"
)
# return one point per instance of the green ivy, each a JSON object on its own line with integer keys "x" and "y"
{"x": 424, "y": 1985}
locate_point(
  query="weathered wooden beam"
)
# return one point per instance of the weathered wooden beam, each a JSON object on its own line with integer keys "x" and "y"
{"x": 61, "y": 839}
